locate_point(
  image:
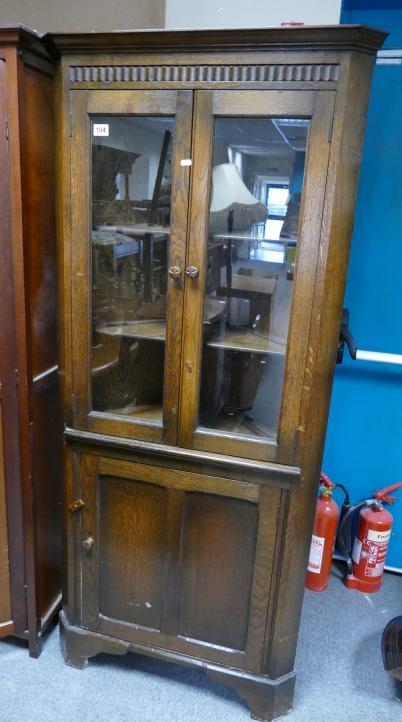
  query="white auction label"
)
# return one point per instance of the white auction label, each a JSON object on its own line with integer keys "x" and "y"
{"x": 378, "y": 536}
{"x": 100, "y": 129}
{"x": 316, "y": 552}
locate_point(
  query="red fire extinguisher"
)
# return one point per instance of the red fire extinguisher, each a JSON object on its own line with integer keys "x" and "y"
{"x": 365, "y": 569}
{"x": 323, "y": 539}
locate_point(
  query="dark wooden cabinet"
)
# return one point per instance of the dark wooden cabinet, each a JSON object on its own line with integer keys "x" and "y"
{"x": 30, "y": 591}
{"x": 206, "y": 186}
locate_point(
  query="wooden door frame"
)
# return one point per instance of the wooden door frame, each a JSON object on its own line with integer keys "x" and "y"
{"x": 209, "y": 104}
{"x": 84, "y": 104}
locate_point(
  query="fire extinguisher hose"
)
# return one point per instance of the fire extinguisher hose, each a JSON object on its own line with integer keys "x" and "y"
{"x": 346, "y": 528}
{"x": 340, "y": 537}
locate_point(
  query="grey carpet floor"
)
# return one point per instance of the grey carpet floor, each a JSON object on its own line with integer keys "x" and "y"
{"x": 340, "y": 677}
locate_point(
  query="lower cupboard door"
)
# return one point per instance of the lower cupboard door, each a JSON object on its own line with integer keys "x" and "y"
{"x": 177, "y": 560}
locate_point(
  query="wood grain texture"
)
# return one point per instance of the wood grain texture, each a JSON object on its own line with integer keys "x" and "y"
{"x": 38, "y": 206}
{"x": 280, "y": 39}
{"x": 249, "y": 102}
{"x": 278, "y": 556}
{"x": 266, "y": 473}
{"x": 267, "y": 700}
{"x": 268, "y": 510}
{"x": 196, "y": 57}
{"x": 306, "y": 261}
{"x": 46, "y": 445}
{"x": 205, "y": 73}
{"x": 12, "y": 34}
{"x": 253, "y": 447}
{"x": 144, "y": 102}
{"x": 219, "y": 542}
{"x": 71, "y": 530}
{"x": 63, "y": 236}
{"x": 6, "y": 628}
{"x": 172, "y": 562}
{"x": 176, "y": 479}
{"x": 77, "y": 645}
{"x": 9, "y": 402}
{"x": 32, "y": 472}
{"x": 177, "y": 257}
{"x": 131, "y": 528}
{"x": 10, "y": 199}
{"x": 80, "y": 258}
{"x": 5, "y": 597}
{"x": 127, "y": 427}
{"x": 340, "y": 198}
{"x": 15, "y": 110}
{"x": 256, "y": 104}
{"x": 144, "y": 518}
{"x": 19, "y": 184}
{"x": 39, "y": 219}
{"x": 227, "y": 555}
{"x": 200, "y": 190}
{"x": 147, "y": 102}
{"x": 88, "y": 559}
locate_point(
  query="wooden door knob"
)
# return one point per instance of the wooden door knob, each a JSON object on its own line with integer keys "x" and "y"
{"x": 88, "y": 543}
{"x": 192, "y": 271}
{"x": 174, "y": 272}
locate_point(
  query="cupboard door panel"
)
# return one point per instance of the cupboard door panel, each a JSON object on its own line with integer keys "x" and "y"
{"x": 254, "y": 231}
{"x": 167, "y": 559}
{"x": 131, "y": 549}
{"x": 219, "y": 543}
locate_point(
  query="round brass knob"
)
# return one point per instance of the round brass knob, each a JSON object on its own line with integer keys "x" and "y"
{"x": 174, "y": 272}
{"x": 88, "y": 543}
{"x": 192, "y": 271}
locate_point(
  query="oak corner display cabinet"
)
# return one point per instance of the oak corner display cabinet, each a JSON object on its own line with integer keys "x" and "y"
{"x": 207, "y": 182}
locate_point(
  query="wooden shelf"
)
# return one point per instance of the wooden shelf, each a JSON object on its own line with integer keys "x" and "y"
{"x": 232, "y": 339}
{"x": 139, "y": 229}
{"x": 154, "y": 330}
{"x": 141, "y": 413}
{"x": 239, "y": 340}
{"x": 236, "y": 423}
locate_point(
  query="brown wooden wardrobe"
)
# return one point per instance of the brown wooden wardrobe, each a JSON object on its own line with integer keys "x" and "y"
{"x": 30, "y": 428}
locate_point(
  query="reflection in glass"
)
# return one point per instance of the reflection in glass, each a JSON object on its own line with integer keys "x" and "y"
{"x": 131, "y": 200}
{"x": 257, "y": 178}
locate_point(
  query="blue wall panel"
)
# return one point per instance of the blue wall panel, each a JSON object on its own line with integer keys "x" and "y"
{"x": 364, "y": 439}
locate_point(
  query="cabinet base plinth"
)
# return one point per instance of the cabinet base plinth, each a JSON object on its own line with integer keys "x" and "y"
{"x": 267, "y": 699}
{"x": 77, "y": 644}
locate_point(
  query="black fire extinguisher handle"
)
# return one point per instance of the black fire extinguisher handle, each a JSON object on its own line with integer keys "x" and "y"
{"x": 347, "y": 527}
{"x": 340, "y": 539}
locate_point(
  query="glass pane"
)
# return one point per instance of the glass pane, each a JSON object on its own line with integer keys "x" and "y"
{"x": 257, "y": 179}
{"x": 131, "y": 199}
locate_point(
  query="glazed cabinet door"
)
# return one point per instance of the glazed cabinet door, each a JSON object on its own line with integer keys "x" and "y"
{"x": 260, "y": 161}
{"x": 176, "y": 559}
{"x": 128, "y": 234}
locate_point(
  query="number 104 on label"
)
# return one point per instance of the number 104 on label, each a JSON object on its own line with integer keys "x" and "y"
{"x": 100, "y": 129}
